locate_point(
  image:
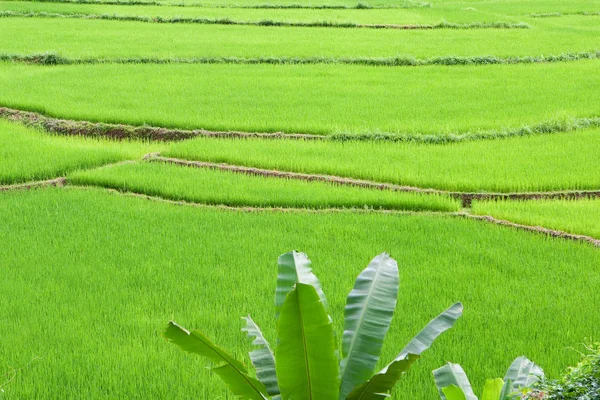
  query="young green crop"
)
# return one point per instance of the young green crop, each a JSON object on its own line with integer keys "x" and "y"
{"x": 310, "y": 99}
{"x": 531, "y": 163}
{"x": 89, "y": 277}
{"x": 27, "y": 154}
{"x": 236, "y": 189}
{"x": 74, "y": 37}
{"x": 578, "y": 217}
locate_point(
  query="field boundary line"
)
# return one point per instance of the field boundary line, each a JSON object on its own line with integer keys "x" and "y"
{"x": 51, "y": 58}
{"x": 564, "y": 14}
{"x": 536, "y": 229}
{"x": 57, "y": 182}
{"x": 265, "y": 22}
{"x": 466, "y": 198}
{"x": 124, "y": 131}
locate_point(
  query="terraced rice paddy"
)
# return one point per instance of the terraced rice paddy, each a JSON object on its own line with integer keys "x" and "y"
{"x": 224, "y": 137}
{"x": 308, "y": 99}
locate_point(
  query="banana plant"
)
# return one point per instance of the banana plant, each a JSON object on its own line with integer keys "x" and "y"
{"x": 304, "y": 364}
{"x": 452, "y": 382}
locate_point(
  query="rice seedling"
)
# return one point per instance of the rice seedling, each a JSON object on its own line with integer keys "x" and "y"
{"x": 308, "y": 99}
{"x": 235, "y": 189}
{"x": 27, "y": 154}
{"x": 532, "y": 163}
{"x": 93, "y": 306}
{"x": 578, "y": 217}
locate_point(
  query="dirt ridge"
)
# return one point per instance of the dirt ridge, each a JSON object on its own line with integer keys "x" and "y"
{"x": 57, "y": 182}
{"x": 124, "y": 131}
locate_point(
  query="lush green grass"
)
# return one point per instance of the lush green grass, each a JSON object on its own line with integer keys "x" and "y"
{"x": 26, "y": 154}
{"x": 375, "y": 16}
{"x": 532, "y": 163}
{"x": 235, "y": 189}
{"x": 122, "y": 39}
{"x": 314, "y": 99}
{"x": 91, "y": 278}
{"x": 581, "y": 216}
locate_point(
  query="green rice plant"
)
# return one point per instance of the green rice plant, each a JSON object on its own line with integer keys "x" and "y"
{"x": 531, "y": 163}
{"x": 120, "y": 266}
{"x": 237, "y": 189}
{"x": 27, "y": 154}
{"x": 573, "y": 216}
{"x": 305, "y": 362}
{"x": 220, "y": 37}
{"x": 326, "y": 99}
{"x": 452, "y": 382}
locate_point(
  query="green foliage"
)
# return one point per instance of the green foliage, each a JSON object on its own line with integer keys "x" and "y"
{"x": 453, "y": 384}
{"x": 581, "y": 382}
{"x": 306, "y": 365}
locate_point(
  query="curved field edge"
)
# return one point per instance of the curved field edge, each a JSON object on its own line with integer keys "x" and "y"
{"x": 576, "y": 217}
{"x": 211, "y": 186}
{"x": 146, "y": 132}
{"x": 131, "y": 287}
{"x": 336, "y": 99}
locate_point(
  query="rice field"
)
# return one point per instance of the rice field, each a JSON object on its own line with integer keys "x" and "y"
{"x": 95, "y": 38}
{"x": 122, "y": 267}
{"x": 532, "y": 163}
{"x": 276, "y": 125}
{"x": 327, "y": 99}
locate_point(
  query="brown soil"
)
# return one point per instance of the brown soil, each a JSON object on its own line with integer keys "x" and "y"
{"x": 34, "y": 185}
